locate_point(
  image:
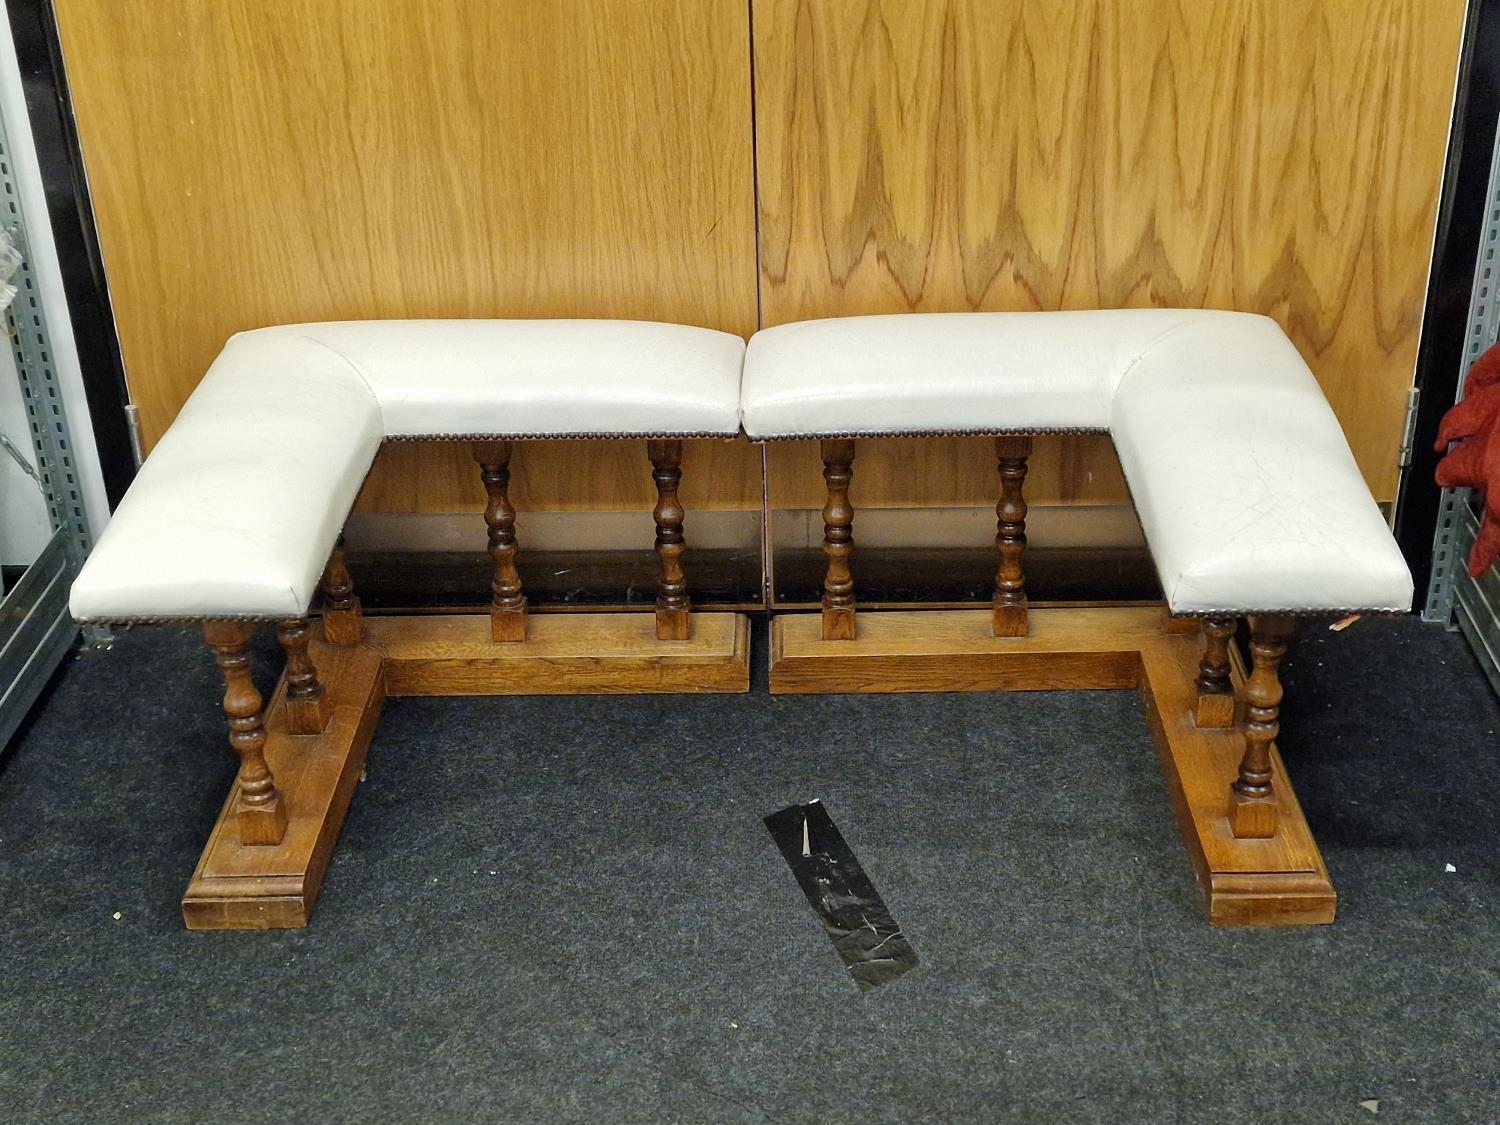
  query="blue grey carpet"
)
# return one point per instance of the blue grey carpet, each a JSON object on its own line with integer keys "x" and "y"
{"x": 569, "y": 910}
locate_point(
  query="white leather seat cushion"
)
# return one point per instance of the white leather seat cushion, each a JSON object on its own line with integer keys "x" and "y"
{"x": 540, "y": 378}
{"x": 238, "y": 507}
{"x": 1244, "y": 483}
{"x": 943, "y": 372}
{"x": 235, "y": 512}
{"x": 1245, "y": 486}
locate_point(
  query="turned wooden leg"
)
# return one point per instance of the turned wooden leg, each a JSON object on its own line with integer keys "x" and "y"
{"x": 1010, "y": 536}
{"x": 1252, "y": 797}
{"x": 261, "y": 813}
{"x": 1215, "y": 706}
{"x": 343, "y": 616}
{"x": 673, "y": 616}
{"x": 307, "y": 706}
{"x": 507, "y": 603}
{"x": 838, "y": 541}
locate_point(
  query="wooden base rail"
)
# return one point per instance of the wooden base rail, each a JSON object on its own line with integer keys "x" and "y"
{"x": 264, "y": 862}
{"x": 1254, "y": 856}
{"x": 299, "y": 759}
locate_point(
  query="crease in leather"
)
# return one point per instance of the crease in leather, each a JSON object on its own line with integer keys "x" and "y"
{"x": 354, "y": 368}
{"x": 1150, "y": 346}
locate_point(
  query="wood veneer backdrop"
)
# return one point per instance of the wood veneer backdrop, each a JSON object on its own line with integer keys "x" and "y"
{"x": 267, "y": 161}
{"x": 1274, "y": 156}
{"x": 264, "y": 161}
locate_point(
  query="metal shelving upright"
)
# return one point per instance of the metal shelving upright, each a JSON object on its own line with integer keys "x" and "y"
{"x": 1454, "y": 598}
{"x": 36, "y": 630}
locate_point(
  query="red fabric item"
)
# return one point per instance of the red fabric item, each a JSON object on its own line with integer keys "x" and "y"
{"x": 1475, "y": 461}
{"x": 1484, "y": 373}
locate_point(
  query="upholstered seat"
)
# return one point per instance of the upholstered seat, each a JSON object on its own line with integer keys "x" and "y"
{"x": 235, "y": 512}
{"x": 1249, "y": 497}
{"x": 540, "y": 378}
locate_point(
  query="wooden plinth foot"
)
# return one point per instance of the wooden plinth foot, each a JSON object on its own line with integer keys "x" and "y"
{"x": 1245, "y": 881}
{"x": 1253, "y": 818}
{"x": 262, "y": 825}
{"x": 241, "y": 887}
{"x": 674, "y": 625}
{"x": 344, "y": 627}
{"x": 839, "y": 624}
{"x": 308, "y": 716}
{"x": 1214, "y": 711}
{"x": 509, "y": 625}
{"x": 1009, "y": 620}
{"x": 565, "y": 654}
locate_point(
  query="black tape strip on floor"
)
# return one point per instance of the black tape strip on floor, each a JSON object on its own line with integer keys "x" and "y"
{"x": 867, "y": 938}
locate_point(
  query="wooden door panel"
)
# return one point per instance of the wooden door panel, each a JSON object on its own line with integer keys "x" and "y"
{"x": 258, "y": 162}
{"x": 1275, "y": 156}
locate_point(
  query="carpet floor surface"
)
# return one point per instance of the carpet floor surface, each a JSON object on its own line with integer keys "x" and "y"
{"x": 568, "y": 909}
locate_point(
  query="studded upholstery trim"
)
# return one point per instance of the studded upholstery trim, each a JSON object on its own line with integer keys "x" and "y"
{"x": 983, "y": 432}
{"x": 186, "y": 619}
{"x": 559, "y": 436}
{"x": 1204, "y": 613}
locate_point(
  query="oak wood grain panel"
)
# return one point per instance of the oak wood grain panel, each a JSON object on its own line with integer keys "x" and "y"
{"x": 1276, "y": 156}
{"x": 256, "y": 162}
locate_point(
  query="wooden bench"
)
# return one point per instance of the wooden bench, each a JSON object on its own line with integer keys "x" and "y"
{"x": 1249, "y": 498}
{"x": 235, "y": 519}
{"x": 1251, "y": 504}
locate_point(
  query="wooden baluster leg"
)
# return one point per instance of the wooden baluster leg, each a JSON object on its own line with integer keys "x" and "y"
{"x": 1215, "y": 706}
{"x": 308, "y": 709}
{"x": 838, "y": 541}
{"x": 1252, "y": 797}
{"x": 507, "y": 603}
{"x": 343, "y": 616}
{"x": 673, "y": 607}
{"x": 260, "y": 812}
{"x": 1010, "y": 536}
